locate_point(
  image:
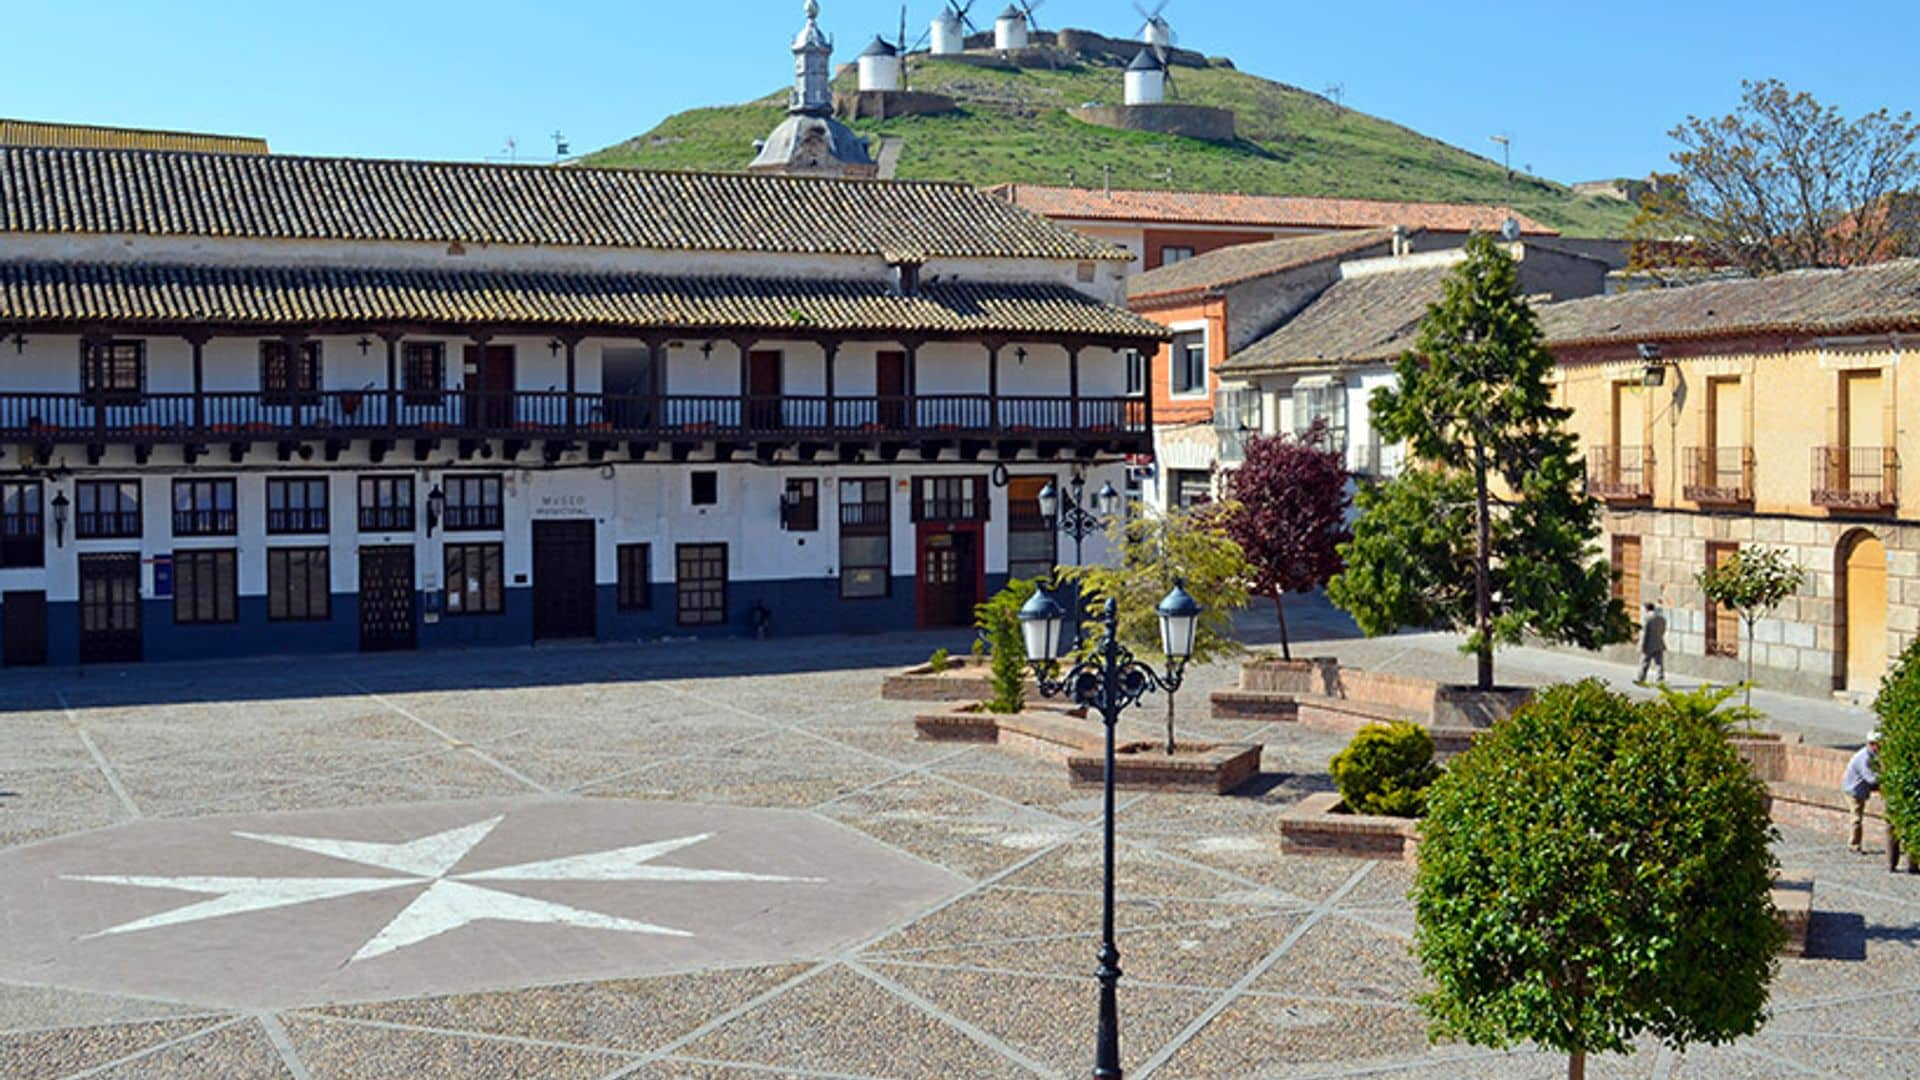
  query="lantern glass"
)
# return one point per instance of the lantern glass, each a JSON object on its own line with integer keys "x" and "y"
{"x": 1041, "y": 619}
{"x": 1179, "y": 621}
{"x": 1108, "y": 500}
{"x": 1049, "y": 500}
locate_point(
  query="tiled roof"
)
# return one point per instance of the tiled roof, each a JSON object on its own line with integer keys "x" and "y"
{"x": 88, "y": 136}
{"x": 130, "y": 295}
{"x": 1246, "y": 262}
{"x": 1369, "y": 317}
{"x": 1870, "y": 299}
{"x": 304, "y": 198}
{"x": 1262, "y": 211}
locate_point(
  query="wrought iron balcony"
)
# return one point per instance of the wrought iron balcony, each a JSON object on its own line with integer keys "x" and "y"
{"x": 1620, "y": 473}
{"x": 1719, "y": 475}
{"x": 1859, "y": 478}
{"x": 218, "y": 417}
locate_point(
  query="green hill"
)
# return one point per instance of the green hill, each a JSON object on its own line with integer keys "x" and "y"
{"x": 1013, "y": 126}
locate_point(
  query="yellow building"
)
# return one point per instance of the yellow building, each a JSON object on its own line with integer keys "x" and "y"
{"x": 1760, "y": 412}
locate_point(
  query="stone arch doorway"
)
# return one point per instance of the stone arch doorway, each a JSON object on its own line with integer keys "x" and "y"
{"x": 1862, "y": 577}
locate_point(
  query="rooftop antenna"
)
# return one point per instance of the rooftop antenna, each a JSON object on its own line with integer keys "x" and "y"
{"x": 560, "y": 147}
{"x": 1510, "y": 228}
{"x": 512, "y": 149}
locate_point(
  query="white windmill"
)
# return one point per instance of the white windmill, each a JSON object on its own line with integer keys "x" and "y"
{"x": 1011, "y": 29}
{"x": 949, "y": 29}
{"x": 1156, "y": 31}
{"x": 1146, "y": 79}
{"x": 880, "y": 67}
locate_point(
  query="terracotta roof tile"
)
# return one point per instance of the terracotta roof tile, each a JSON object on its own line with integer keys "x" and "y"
{"x": 1884, "y": 297}
{"x": 39, "y": 133}
{"x": 133, "y": 294}
{"x": 1369, "y": 317}
{"x": 302, "y": 198}
{"x": 1269, "y": 211}
{"x": 1247, "y": 262}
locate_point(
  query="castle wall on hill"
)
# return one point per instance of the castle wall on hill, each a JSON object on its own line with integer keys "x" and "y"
{"x": 1189, "y": 121}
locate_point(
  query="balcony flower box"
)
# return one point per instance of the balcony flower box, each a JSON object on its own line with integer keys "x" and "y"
{"x": 350, "y": 403}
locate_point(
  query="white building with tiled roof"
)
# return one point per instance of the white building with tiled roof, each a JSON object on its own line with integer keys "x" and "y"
{"x": 259, "y": 404}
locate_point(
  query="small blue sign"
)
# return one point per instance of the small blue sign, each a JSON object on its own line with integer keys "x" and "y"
{"x": 162, "y": 577}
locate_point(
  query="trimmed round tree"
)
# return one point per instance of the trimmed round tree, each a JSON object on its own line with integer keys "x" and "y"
{"x": 1898, "y": 706}
{"x": 1289, "y": 515}
{"x": 1593, "y": 870}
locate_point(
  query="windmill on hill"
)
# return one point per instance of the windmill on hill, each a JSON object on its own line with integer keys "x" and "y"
{"x": 950, "y": 28}
{"x": 1156, "y": 31}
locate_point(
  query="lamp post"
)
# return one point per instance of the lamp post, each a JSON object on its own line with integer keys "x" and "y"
{"x": 1067, "y": 511}
{"x": 1108, "y": 683}
{"x": 60, "y": 505}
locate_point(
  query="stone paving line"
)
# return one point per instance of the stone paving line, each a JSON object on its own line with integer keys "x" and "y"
{"x": 99, "y": 759}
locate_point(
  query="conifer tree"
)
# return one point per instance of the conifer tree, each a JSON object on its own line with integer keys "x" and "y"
{"x": 1490, "y": 529}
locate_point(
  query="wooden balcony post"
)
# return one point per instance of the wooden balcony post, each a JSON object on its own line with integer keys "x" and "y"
{"x": 656, "y": 380}
{"x": 199, "y": 343}
{"x": 994, "y": 346}
{"x": 571, "y": 343}
{"x": 913, "y": 381}
{"x": 831, "y": 350}
{"x": 1073, "y": 385}
{"x": 393, "y": 397}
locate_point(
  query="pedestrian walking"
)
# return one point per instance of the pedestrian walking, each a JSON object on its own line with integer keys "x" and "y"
{"x": 1860, "y": 782}
{"x": 1653, "y": 644}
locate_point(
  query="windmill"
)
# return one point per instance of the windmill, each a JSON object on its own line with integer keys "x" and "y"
{"x": 1028, "y": 7}
{"x": 950, "y": 28}
{"x": 1156, "y": 31}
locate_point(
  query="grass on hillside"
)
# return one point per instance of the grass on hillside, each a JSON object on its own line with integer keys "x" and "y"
{"x": 1013, "y": 127}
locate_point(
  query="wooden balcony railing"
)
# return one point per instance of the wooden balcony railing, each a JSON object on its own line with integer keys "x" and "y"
{"x": 251, "y": 415}
{"x": 1719, "y": 475}
{"x": 1620, "y": 473}
{"x": 1863, "y": 478}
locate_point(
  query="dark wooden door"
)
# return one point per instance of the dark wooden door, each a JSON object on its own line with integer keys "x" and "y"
{"x": 627, "y": 388}
{"x": 890, "y": 383}
{"x": 489, "y": 384}
{"x": 387, "y": 599}
{"x": 563, "y": 588}
{"x": 109, "y": 608}
{"x": 25, "y": 627}
{"x": 947, "y": 575}
{"x": 763, "y": 390}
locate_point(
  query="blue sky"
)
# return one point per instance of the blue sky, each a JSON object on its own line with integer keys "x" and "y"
{"x": 1586, "y": 90}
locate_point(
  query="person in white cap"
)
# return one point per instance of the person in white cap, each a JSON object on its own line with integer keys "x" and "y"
{"x": 1861, "y": 781}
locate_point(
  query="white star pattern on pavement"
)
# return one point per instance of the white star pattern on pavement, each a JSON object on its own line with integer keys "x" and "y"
{"x": 448, "y": 901}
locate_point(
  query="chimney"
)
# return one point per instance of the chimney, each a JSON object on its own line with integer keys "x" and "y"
{"x": 906, "y": 278}
{"x": 1400, "y": 244}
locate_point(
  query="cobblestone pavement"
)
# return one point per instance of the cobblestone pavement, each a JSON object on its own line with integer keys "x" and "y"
{"x": 1239, "y": 962}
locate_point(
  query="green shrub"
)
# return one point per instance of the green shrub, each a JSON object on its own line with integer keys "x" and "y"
{"x": 1898, "y": 706}
{"x": 1386, "y": 770}
{"x": 979, "y": 648}
{"x": 1709, "y": 702}
{"x": 999, "y": 621}
{"x": 940, "y": 661}
{"x": 1595, "y": 871}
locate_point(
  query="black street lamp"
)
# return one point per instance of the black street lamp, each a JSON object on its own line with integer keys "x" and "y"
{"x": 1068, "y": 512}
{"x": 60, "y": 505}
{"x": 1108, "y": 683}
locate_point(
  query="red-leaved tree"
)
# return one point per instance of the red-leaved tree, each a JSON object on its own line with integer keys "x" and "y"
{"x": 1290, "y": 515}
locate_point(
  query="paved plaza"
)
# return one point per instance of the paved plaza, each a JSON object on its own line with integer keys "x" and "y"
{"x": 732, "y": 859}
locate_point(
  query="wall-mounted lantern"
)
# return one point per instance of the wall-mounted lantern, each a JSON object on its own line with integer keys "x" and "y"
{"x": 436, "y": 506}
{"x": 60, "y": 505}
{"x": 1656, "y": 368}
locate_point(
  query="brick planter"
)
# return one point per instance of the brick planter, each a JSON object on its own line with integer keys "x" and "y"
{"x": 1070, "y": 736}
{"x": 1468, "y": 707}
{"x": 1309, "y": 675}
{"x": 1316, "y": 826}
{"x": 1146, "y": 766}
{"x": 965, "y": 679}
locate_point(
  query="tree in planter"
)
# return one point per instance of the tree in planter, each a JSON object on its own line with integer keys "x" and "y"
{"x": 1440, "y": 545}
{"x": 1387, "y": 770}
{"x": 1592, "y": 870}
{"x": 1898, "y": 707}
{"x": 1752, "y": 581}
{"x": 998, "y": 620}
{"x": 1187, "y": 547}
{"x": 1290, "y": 516}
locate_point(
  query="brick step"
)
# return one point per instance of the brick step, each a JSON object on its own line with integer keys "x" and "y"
{"x": 1253, "y": 705}
{"x": 1793, "y": 906}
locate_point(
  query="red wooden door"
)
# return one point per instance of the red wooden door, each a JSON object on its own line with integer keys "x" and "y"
{"x": 763, "y": 390}
{"x": 489, "y": 385}
{"x": 890, "y": 384}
